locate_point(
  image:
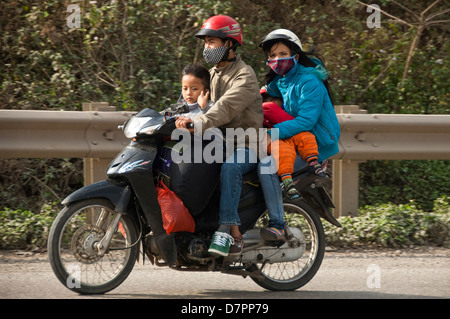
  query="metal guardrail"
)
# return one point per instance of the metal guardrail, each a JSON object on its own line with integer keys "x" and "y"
{"x": 59, "y": 134}
{"x": 394, "y": 137}
{"x": 93, "y": 135}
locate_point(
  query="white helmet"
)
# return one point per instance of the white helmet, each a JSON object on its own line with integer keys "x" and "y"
{"x": 282, "y": 34}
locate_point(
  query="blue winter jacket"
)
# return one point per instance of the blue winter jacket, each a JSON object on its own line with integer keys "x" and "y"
{"x": 306, "y": 98}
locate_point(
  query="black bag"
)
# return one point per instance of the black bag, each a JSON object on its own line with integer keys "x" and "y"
{"x": 194, "y": 183}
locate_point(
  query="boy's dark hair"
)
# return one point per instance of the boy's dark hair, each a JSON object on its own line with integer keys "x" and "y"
{"x": 199, "y": 72}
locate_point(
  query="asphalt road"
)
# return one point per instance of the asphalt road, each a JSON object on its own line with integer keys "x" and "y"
{"x": 381, "y": 274}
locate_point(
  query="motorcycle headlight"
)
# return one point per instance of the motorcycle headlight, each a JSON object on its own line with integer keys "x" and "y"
{"x": 150, "y": 129}
{"x": 132, "y": 127}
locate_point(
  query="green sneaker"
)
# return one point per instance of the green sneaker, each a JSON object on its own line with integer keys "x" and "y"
{"x": 220, "y": 244}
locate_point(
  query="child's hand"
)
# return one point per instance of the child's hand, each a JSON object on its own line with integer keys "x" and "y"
{"x": 182, "y": 121}
{"x": 203, "y": 99}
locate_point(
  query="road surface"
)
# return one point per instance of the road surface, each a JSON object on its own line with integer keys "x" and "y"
{"x": 369, "y": 274}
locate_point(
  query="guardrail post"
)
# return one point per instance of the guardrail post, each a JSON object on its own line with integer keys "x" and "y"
{"x": 345, "y": 191}
{"x": 94, "y": 169}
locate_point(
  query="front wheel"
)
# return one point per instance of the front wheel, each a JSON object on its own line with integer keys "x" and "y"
{"x": 73, "y": 242}
{"x": 295, "y": 274}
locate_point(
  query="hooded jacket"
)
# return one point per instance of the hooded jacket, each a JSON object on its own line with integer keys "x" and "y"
{"x": 306, "y": 98}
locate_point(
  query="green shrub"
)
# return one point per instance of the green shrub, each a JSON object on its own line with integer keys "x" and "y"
{"x": 30, "y": 183}
{"x": 21, "y": 229}
{"x": 131, "y": 53}
{"x": 391, "y": 225}
{"x": 399, "y": 182}
{"x": 386, "y": 225}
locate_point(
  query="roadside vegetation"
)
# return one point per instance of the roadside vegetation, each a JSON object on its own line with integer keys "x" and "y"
{"x": 383, "y": 226}
{"x": 131, "y": 53}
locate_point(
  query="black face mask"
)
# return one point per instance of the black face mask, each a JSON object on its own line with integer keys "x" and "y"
{"x": 216, "y": 55}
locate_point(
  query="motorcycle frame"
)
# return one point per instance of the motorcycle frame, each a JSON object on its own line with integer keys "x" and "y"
{"x": 131, "y": 173}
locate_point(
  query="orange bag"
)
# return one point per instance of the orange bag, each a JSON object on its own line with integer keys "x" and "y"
{"x": 175, "y": 216}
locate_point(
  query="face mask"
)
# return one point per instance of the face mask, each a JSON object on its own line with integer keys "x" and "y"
{"x": 282, "y": 66}
{"x": 214, "y": 56}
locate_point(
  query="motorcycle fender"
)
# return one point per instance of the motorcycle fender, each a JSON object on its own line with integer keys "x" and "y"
{"x": 118, "y": 195}
{"x": 316, "y": 199}
{"x": 314, "y": 191}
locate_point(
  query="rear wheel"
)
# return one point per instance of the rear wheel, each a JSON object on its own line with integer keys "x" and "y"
{"x": 73, "y": 253}
{"x": 295, "y": 274}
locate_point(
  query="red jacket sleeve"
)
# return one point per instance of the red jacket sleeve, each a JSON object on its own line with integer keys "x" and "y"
{"x": 273, "y": 114}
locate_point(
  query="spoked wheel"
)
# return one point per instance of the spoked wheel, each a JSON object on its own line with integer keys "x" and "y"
{"x": 295, "y": 274}
{"x": 73, "y": 247}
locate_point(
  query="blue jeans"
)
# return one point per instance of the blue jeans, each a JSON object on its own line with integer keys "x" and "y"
{"x": 270, "y": 183}
{"x": 240, "y": 163}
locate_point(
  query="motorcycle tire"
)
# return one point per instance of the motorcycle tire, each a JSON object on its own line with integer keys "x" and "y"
{"x": 288, "y": 276}
{"x": 72, "y": 251}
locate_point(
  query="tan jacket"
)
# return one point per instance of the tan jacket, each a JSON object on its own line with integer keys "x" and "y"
{"x": 238, "y": 103}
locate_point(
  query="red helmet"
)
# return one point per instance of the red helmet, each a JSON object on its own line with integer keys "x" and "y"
{"x": 221, "y": 27}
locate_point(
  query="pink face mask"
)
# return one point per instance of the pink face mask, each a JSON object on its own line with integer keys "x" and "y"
{"x": 282, "y": 66}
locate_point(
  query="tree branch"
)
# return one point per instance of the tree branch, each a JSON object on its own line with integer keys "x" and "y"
{"x": 430, "y": 23}
{"x": 45, "y": 185}
{"x": 428, "y": 9}
{"x": 387, "y": 14}
{"x": 407, "y": 9}
{"x": 432, "y": 16}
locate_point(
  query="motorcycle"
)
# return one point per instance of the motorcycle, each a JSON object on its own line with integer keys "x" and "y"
{"x": 105, "y": 227}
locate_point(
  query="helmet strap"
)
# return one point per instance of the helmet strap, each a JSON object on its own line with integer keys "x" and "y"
{"x": 232, "y": 47}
